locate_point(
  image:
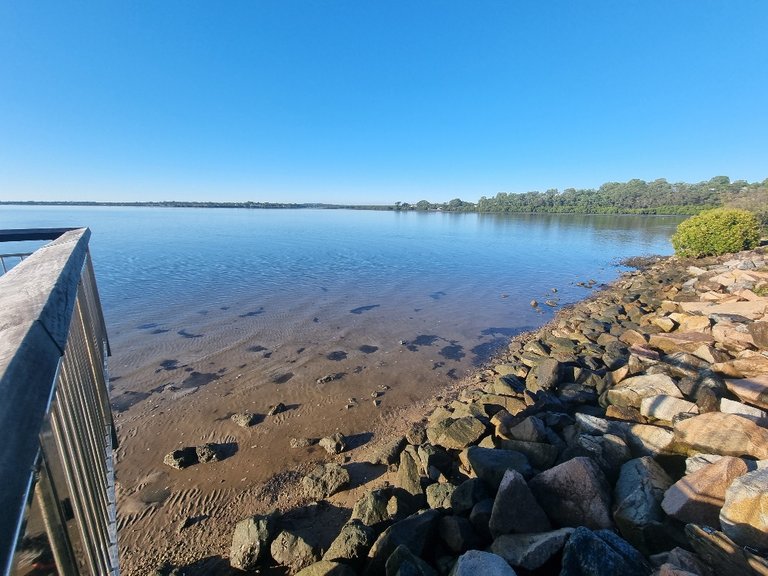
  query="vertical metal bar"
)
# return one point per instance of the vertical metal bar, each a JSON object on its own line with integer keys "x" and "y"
{"x": 54, "y": 524}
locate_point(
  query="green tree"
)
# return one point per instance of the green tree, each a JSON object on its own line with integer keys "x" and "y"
{"x": 718, "y": 231}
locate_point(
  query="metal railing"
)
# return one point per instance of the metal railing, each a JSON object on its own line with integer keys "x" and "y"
{"x": 57, "y": 489}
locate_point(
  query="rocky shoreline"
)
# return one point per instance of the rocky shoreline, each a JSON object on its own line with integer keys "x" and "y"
{"x": 627, "y": 436}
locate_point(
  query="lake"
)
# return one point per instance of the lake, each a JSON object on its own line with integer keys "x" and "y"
{"x": 338, "y": 285}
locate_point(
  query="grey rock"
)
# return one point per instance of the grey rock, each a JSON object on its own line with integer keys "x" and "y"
{"x": 439, "y": 495}
{"x": 545, "y": 375}
{"x": 416, "y": 435}
{"x": 530, "y": 551}
{"x": 491, "y": 464}
{"x": 325, "y": 480}
{"x": 457, "y": 532}
{"x": 515, "y": 509}
{"x": 352, "y": 543}
{"x": 402, "y": 562}
{"x": 480, "y": 517}
{"x": 476, "y": 562}
{"x": 540, "y": 454}
{"x": 458, "y": 434}
{"x": 326, "y": 568}
{"x": 207, "y": 453}
{"x": 371, "y": 508}
{"x": 388, "y": 452}
{"x": 467, "y": 494}
{"x": 414, "y": 532}
{"x": 334, "y": 444}
{"x": 530, "y": 429}
{"x": 637, "y": 511}
{"x": 574, "y": 493}
{"x": 292, "y": 551}
{"x": 601, "y": 553}
{"x": 408, "y": 473}
{"x": 250, "y": 541}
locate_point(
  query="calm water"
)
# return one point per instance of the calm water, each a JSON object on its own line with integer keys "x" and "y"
{"x": 186, "y": 283}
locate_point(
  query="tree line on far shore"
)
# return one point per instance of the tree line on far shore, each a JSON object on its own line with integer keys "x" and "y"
{"x": 632, "y": 197}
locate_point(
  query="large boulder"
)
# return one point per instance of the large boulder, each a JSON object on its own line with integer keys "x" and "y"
{"x": 545, "y": 375}
{"x": 697, "y": 497}
{"x": 751, "y": 390}
{"x": 637, "y": 504}
{"x": 490, "y": 464}
{"x": 326, "y": 568}
{"x": 460, "y": 433}
{"x": 574, "y": 493}
{"x": 409, "y": 472}
{"x": 630, "y": 392}
{"x": 515, "y": 509}
{"x": 371, "y": 508}
{"x": 666, "y": 408}
{"x": 250, "y": 541}
{"x": 292, "y": 551}
{"x": 414, "y": 532}
{"x": 352, "y": 543}
{"x": 402, "y": 561}
{"x": 477, "y": 562}
{"x": 744, "y": 516}
{"x": 601, "y": 553}
{"x": 325, "y": 480}
{"x": 457, "y": 533}
{"x": 726, "y": 434}
{"x": 467, "y": 494}
{"x": 530, "y": 551}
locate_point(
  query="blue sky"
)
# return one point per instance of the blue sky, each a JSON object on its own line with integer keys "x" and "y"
{"x": 362, "y": 101}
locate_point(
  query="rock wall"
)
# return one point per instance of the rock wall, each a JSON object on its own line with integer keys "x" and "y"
{"x": 628, "y": 436}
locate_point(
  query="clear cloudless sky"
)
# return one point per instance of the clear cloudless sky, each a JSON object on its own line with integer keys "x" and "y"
{"x": 375, "y": 101}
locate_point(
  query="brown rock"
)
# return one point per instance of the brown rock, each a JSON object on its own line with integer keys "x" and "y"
{"x": 665, "y": 323}
{"x": 725, "y": 434}
{"x": 625, "y": 413}
{"x": 679, "y": 341}
{"x": 747, "y": 365}
{"x": 743, "y": 516}
{"x": 698, "y": 497}
{"x": 759, "y": 332}
{"x": 630, "y": 392}
{"x": 633, "y": 338}
{"x": 752, "y": 390}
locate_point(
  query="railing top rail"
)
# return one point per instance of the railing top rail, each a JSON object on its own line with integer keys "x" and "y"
{"x": 37, "y": 298}
{"x": 24, "y": 234}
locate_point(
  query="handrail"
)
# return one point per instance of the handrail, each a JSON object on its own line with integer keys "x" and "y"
{"x": 55, "y": 410}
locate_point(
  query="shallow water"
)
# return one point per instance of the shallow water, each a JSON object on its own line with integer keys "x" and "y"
{"x": 302, "y": 294}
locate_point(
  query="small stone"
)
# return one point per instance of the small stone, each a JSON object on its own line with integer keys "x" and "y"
{"x": 276, "y": 409}
{"x": 300, "y": 442}
{"x": 244, "y": 419}
{"x": 207, "y": 453}
{"x": 181, "y": 458}
{"x": 439, "y": 495}
{"x": 334, "y": 444}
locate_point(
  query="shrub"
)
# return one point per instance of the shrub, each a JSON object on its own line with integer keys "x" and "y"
{"x": 717, "y": 231}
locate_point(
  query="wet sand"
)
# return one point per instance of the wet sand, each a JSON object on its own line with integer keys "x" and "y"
{"x": 358, "y": 373}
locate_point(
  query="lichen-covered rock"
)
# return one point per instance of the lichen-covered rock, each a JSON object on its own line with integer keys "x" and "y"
{"x": 371, "y": 508}
{"x": 334, "y": 444}
{"x": 250, "y": 542}
{"x": 744, "y": 515}
{"x": 182, "y": 458}
{"x": 244, "y": 419}
{"x": 409, "y": 472}
{"x": 460, "y": 433}
{"x": 352, "y": 543}
{"x": 292, "y": 551}
{"x": 439, "y": 495}
{"x": 697, "y": 497}
{"x": 325, "y": 480}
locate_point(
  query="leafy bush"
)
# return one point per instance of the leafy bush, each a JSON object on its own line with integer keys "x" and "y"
{"x": 717, "y": 231}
